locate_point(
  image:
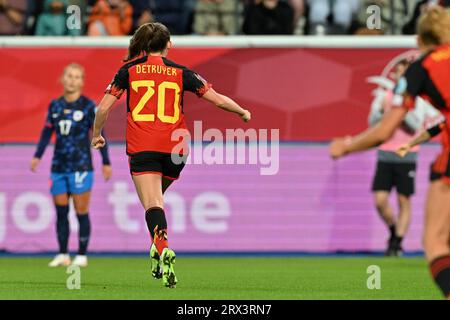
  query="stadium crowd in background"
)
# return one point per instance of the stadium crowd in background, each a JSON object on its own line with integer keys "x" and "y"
{"x": 210, "y": 17}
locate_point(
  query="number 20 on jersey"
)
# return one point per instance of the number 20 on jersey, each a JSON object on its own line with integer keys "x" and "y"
{"x": 161, "y": 90}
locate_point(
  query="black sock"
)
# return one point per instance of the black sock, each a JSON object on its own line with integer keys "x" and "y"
{"x": 84, "y": 233}
{"x": 62, "y": 227}
{"x": 440, "y": 269}
{"x": 398, "y": 243}
{"x": 392, "y": 231}
{"x": 155, "y": 217}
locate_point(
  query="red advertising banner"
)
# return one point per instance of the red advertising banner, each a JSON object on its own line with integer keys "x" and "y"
{"x": 309, "y": 94}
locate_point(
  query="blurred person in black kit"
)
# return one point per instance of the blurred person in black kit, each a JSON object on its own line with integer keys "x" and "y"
{"x": 269, "y": 17}
{"x": 421, "y": 6}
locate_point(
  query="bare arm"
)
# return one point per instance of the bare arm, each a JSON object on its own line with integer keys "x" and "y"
{"x": 100, "y": 119}
{"x": 371, "y": 137}
{"x": 404, "y": 149}
{"x": 226, "y": 103}
{"x": 423, "y": 137}
{"x": 379, "y": 133}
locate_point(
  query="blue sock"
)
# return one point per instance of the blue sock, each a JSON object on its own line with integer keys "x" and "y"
{"x": 84, "y": 232}
{"x": 62, "y": 227}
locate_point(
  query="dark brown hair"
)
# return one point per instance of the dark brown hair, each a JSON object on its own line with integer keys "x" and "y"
{"x": 149, "y": 37}
{"x": 404, "y": 62}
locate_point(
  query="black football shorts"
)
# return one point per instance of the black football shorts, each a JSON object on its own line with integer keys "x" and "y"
{"x": 398, "y": 175}
{"x": 157, "y": 163}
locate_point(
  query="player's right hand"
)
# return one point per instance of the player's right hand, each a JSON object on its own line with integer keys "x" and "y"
{"x": 338, "y": 147}
{"x": 246, "y": 116}
{"x": 98, "y": 142}
{"x": 34, "y": 164}
{"x": 403, "y": 150}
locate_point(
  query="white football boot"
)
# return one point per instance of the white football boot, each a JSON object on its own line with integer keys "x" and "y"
{"x": 80, "y": 261}
{"x": 62, "y": 259}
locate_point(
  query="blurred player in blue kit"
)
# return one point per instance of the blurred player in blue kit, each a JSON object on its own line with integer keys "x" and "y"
{"x": 71, "y": 117}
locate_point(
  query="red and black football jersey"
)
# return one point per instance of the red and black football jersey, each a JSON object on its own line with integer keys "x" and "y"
{"x": 155, "y": 89}
{"x": 429, "y": 78}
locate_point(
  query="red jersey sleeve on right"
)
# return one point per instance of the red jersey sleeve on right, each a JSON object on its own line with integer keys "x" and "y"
{"x": 119, "y": 83}
{"x": 193, "y": 82}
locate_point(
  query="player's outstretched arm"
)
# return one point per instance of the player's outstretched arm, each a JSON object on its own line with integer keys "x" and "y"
{"x": 371, "y": 137}
{"x": 100, "y": 119}
{"x": 423, "y": 137}
{"x": 227, "y": 104}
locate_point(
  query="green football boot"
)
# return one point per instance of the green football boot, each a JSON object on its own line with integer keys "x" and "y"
{"x": 155, "y": 262}
{"x": 168, "y": 274}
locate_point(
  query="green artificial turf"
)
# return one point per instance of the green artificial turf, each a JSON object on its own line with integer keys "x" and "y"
{"x": 221, "y": 278}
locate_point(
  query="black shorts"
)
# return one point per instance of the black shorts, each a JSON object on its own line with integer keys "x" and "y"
{"x": 398, "y": 175}
{"x": 156, "y": 162}
{"x": 435, "y": 175}
{"x": 440, "y": 168}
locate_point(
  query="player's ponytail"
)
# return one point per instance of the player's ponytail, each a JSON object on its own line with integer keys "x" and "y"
{"x": 434, "y": 26}
{"x": 149, "y": 37}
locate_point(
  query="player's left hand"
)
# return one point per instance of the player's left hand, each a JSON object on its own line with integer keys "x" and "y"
{"x": 34, "y": 162}
{"x": 338, "y": 147}
{"x": 107, "y": 172}
{"x": 98, "y": 142}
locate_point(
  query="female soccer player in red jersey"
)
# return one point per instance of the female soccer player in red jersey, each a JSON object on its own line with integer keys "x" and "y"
{"x": 71, "y": 117}
{"x": 155, "y": 87}
{"x": 428, "y": 77}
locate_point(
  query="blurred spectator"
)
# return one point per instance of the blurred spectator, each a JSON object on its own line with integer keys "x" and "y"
{"x": 80, "y": 3}
{"x": 12, "y": 16}
{"x": 52, "y": 20}
{"x": 421, "y": 6}
{"x": 393, "y": 15}
{"x": 142, "y": 12}
{"x": 215, "y": 17}
{"x": 113, "y": 17}
{"x": 34, "y": 9}
{"x": 177, "y": 15}
{"x": 83, "y": 5}
{"x": 299, "y": 10}
{"x": 269, "y": 17}
{"x": 331, "y": 16}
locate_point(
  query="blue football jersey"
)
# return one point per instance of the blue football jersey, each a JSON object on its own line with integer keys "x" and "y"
{"x": 71, "y": 121}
